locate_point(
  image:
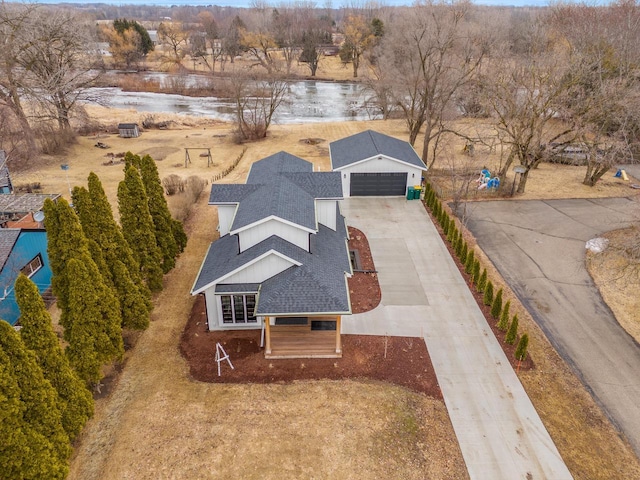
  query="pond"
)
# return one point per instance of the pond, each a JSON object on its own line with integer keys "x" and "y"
{"x": 307, "y": 101}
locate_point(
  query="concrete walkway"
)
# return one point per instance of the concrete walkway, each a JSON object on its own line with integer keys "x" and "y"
{"x": 423, "y": 294}
{"x": 539, "y": 248}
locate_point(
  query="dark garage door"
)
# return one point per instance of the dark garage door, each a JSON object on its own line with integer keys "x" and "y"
{"x": 378, "y": 184}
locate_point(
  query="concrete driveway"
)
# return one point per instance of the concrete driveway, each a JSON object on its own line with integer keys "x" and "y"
{"x": 500, "y": 434}
{"x": 539, "y": 248}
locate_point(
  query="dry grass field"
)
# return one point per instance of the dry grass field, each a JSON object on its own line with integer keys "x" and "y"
{"x": 158, "y": 423}
{"x": 617, "y": 280}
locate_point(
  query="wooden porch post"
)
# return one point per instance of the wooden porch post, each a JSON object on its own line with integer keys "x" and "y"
{"x": 267, "y": 331}
{"x": 338, "y": 337}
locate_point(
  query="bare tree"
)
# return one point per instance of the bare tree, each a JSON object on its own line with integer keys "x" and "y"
{"x": 257, "y": 100}
{"x": 175, "y": 37}
{"x": 431, "y": 52}
{"x": 13, "y": 21}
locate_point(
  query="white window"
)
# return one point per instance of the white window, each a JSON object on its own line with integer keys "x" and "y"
{"x": 33, "y": 266}
{"x": 238, "y": 309}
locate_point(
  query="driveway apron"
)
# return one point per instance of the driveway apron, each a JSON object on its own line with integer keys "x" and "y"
{"x": 500, "y": 434}
{"x": 539, "y": 247}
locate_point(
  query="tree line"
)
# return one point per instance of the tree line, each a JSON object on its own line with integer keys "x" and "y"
{"x": 543, "y": 79}
{"x": 103, "y": 277}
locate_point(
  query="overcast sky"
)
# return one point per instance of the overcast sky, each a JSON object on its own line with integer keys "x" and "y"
{"x": 335, "y": 3}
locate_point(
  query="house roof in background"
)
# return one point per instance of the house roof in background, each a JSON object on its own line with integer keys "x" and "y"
{"x": 368, "y": 144}
{"x": 24, "y": 202}
{"x": 8, "y": 238}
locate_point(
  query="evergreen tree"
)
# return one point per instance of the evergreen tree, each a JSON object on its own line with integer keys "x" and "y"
{"x": 179, "y": 234}
{"x": 482, "y": 282}
{"x": 74, "y": 400}
{"x": 106, "y": 225}
{"x": 512, "y": 333}
{"x": 476, "y": 271}
{"x": 24, "y": 453}
{"x": 110, "y": 252}
{"x": 138, "y": 228}
{"x": 503, "y": 324}
{"x": 40, "y": 412}
{"x": 521, "y": 349}
{"x": 459, "y": 245}
{"x": 496, "y": 306}
{"x": 468, "y": 265}
{"x": 95, "y": 314}
{"x": 445, "y": 226}
{"x": 65, "y": 240}
{"x": 488, "y": 294}
{"x": 166, "y": 227}
{"x": 110, "y": 237}
{"x": 464, "y": 253}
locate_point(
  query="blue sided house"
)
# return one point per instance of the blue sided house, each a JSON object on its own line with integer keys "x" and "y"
{"x": 282, "y": 262}
{"x": 23, "y": 251}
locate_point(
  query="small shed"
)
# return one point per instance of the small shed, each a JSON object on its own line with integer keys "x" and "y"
{"x": 128, "y": 130}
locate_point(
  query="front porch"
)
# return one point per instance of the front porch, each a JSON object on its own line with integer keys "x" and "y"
{"x": 303, "y": 337}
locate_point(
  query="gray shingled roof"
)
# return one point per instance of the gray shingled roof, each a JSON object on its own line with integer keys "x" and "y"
{"x": 8, "y": 238}
{"x": 369, "y": 144}
{"x": 281, "y": 185}
{"x": 317, "y": 286}
{"x": 24, "y": 202}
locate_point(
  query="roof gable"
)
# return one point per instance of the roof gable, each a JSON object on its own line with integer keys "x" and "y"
{"x": 368, "y": 144}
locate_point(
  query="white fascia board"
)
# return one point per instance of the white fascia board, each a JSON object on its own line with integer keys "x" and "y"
{"x": 375, "y": 157}
{"x": 198, "y": 276}
{"x": 271, "y": 217}
{"x": 305, "y": 314}
{"x": 239, "y": 269}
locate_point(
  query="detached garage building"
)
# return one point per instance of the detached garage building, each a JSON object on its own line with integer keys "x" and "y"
{"x": 373, "y": 164}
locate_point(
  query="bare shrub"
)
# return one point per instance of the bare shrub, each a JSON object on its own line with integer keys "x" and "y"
{"x": 173, "y": 184}
{"x": 194, "y": 186}
{"x": 54, "y": 141}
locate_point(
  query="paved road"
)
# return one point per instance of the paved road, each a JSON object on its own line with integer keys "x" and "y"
{"x": 500, "y": 434}
{"x": 539, "y": 248}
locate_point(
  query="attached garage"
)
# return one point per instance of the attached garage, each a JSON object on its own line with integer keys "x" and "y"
{"x": 373, "y": 164}
{"x": 378, "y": 184}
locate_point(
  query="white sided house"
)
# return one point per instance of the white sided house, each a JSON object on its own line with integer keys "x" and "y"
{"x": 282, "y": 260}
{"x": 373, "y": 164}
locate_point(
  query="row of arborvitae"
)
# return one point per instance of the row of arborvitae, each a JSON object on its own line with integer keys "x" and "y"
{"x": 104, "y": 273}
{"x": 103, "y": 278}
{"x": 472, "y": 268}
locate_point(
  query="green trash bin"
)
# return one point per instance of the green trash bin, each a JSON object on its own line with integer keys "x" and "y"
{"x": 416, "y": 192}
{"x": 410, "y": 193}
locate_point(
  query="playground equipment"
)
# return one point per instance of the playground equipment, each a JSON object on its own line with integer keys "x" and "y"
{"x": 187, "y": 157}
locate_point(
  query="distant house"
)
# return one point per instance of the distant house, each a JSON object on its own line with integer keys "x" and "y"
{"x": 21, "y": 251}
{"x": 128, "y": 130}
{"x": 282, "y": 260}
{"x": 5, "y": 179}
{"x": 17, "y": 210}
{"x": 373, "y": 164}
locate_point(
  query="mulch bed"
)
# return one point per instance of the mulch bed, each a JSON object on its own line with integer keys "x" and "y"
{"x": 407, "y": 362}
{"x": 364, "y": 288}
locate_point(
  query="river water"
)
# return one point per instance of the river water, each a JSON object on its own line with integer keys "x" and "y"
{"x": 307, "y": 101}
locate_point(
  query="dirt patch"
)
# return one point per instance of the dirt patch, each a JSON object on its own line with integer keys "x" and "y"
{"x": 399, "y": 360}
{"x": 158, "y": 153}
{"x": 364, "y": 288}
{"x": 312, "y": 141}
